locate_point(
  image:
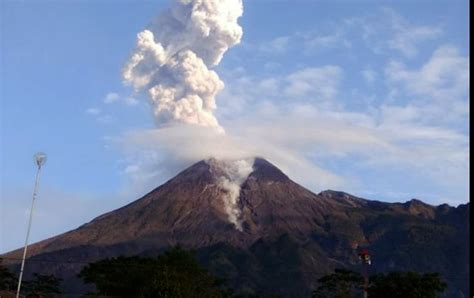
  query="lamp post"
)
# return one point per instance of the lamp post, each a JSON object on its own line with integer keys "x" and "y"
{"x": 40, "y": 159}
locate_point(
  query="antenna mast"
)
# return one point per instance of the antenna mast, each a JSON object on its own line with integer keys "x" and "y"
{"x": 40, "y": 159}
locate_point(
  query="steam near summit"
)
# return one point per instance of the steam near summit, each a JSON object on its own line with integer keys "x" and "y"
{"x": 369, "y": 99}
{"x": 173, "y": 57}
{"x": 230, "y": 176}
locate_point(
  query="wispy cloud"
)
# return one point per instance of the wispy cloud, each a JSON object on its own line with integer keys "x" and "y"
{"x": 277, "y": 45}
{"x": 316, "y": 41}
{"x": 388, "y": 30}
{"x": 316, "y": 83}
{"x": 444, "y": 75}
{"x": 439, "y": 88}
{"x": 406, "y": 37}
{"x": 300, "y": 138}
{"x": 111, "y": 97}
{"x": 106, "y": 119}
{"x": 382, "y": 32}
{"x": 302, "y": 120}
{"x": 299, "y": 134}
{"x": 99, "y": 115}
{"x": 93, "y": 111}
{"x": 369, "y": 75}
{"x": 114, "y": 97}
{"x": 131, "y": 101}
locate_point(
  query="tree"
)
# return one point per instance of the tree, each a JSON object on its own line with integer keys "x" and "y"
{"x": 8, "y": 281}
{"x": 176, "y": 273}
{"x": 406, "y": 284}
{"x": 346, "y": 284}
{"x": 342, "y": 283}
{"x": 42, "y": 284}
{"x": 39, "y": 285}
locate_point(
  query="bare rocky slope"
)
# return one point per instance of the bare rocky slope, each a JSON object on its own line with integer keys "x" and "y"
{"x": 285, "y": 239}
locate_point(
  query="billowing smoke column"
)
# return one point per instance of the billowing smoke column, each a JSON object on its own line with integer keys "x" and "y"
{"x": 173, "y": 56}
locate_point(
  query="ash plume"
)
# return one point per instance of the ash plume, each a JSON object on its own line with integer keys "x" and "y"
{"x": 172, "y": 59}
{"x": 231, "y": 175}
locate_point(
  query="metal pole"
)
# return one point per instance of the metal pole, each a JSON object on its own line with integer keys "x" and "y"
{"x": 28, "y": 231}
{"x": 366, "y": 280}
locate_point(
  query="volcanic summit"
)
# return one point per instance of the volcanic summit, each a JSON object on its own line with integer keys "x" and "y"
{"x": 249, "y": 221}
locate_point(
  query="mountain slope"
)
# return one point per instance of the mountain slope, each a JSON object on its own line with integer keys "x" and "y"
{"x": 250, "y": 223}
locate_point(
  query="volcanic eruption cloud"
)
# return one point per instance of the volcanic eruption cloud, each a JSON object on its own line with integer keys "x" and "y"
{"x": 172, "y": 62}
{"x": 172, "y": 59}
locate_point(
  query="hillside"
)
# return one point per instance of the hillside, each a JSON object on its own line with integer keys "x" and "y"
{"x": 264, "y": 232}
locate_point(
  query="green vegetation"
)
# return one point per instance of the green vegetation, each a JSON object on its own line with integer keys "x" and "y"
{"x": 340, "y": 284}
{"x": 39, "y": 285}
{"x": 176, "y": 273}
{"x": 346, "y": 284}
{"x": 8, "y": 282}
{"x": 42, "y": 284}
{"x": 406, "y": 284}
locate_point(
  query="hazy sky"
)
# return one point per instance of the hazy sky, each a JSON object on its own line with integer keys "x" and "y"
{"x": 368, "y": 97}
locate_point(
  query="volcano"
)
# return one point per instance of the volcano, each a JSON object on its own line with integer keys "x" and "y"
{"x": 251, "y": 224}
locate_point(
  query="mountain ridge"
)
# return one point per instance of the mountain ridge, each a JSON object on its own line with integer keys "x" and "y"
{"x": 305, "y": 232}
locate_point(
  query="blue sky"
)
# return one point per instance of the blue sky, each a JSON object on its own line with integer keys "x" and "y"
{"x": 368, "y": 97}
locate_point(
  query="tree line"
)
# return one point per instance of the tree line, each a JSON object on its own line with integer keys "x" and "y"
{"x": 177, "y": 273}
{"x": 345, "y": 283}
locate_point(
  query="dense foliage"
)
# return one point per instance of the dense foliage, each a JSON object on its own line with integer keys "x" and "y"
{"x": 39, "y": 285}
{"x": 340, "y": 284}
{"x": 406, "y": 284}
{"x": 176, "y": 273}
{"x": 8, "y": 282}
{"x": 346, "y": 284}
{"x": 42, "y": 284}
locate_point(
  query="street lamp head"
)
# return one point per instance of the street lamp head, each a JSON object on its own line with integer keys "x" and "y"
{"x": 40, "y": 159}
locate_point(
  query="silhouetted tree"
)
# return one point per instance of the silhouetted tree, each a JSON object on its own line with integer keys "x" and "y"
{"x": 346, "y": 284}
{"x": 342, "y": 283}
{"x": 8, "y": 281}
{"x": 41, "y": 285}
{"x": 406, "y": 284}
{"x": 176, "y": 273}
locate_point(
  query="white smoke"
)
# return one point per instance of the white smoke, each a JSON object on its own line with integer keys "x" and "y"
{"x": 232, "y": 173}
{"x": 172, "y": 59}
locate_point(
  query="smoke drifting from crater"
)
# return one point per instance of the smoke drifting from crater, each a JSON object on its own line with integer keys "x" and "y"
{"x": 172, "y": 59}
{"x": 231, "y": 174}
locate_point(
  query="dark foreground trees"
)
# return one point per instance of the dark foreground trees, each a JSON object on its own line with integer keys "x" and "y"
{"x": 347, "y": 284}
{"x": 39, "y": 285}
{"x": 8, "y": 282}
{"x": 340, "y": 284}
{"x": 176, "y": 273}
{"x": 42, "y": 284}
{"x": 406, "y": 284}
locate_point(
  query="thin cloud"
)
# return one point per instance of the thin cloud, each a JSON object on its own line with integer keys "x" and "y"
{"x": 319, "y": 82}
{"x": 299, "y": 120}
{"x": 111, "y": 97}
{"x": 369, "y": 75}
{"x": 93, "y": 111}
{"x": 131, "y": 101}
{"x": 439, "y": 88}
{"x": 316, "y": 41}
{"x": 277, "y": 45}
{"x": 382, "y": 32}
{"x": 406, "y": 37}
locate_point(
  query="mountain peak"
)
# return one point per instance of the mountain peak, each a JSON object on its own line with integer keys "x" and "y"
{"x": 240, "y": 212}
{"x": 417, "y": 207}
{"x": 236, "y": 169}
{"x": 264, "y": 170}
